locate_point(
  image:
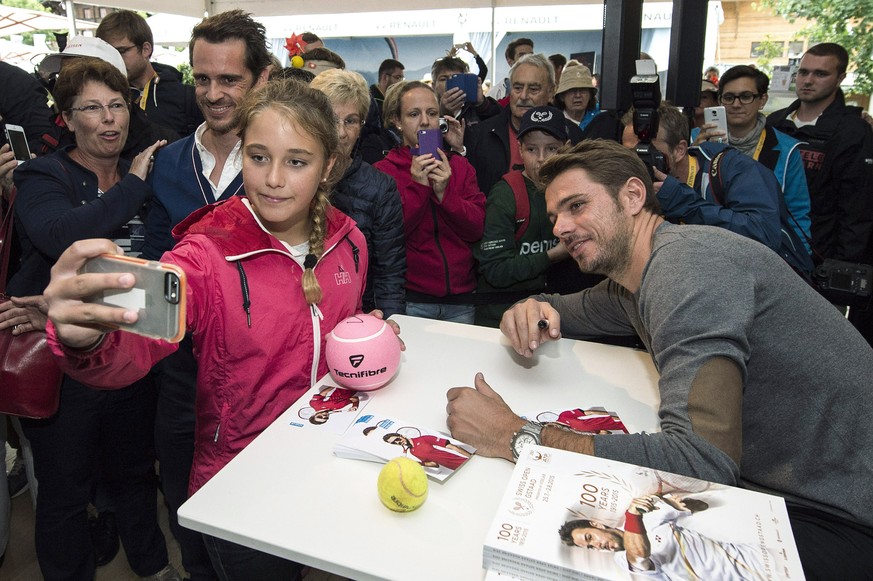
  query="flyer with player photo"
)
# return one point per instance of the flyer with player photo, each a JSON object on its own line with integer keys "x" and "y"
{"x": 589, "y": 420}
{"x": 330, "y": 408}
{"x": 379, "y": 439}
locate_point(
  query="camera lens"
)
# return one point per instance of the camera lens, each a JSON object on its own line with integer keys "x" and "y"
{"x": 444, "y": 125}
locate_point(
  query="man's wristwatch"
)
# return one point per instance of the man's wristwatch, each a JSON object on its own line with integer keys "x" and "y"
{"x": 527, "y": 435}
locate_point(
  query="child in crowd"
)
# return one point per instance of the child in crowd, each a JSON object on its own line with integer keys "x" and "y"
{"x": 262, "y": 293}
{"x": 519, "y": 254}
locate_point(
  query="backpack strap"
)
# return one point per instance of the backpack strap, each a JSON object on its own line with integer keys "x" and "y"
{"x": 715, "y": 180}
{"x": 515, "y": 179}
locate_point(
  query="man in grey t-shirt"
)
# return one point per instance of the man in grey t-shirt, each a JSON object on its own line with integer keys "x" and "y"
{"x": 763, "y": 384}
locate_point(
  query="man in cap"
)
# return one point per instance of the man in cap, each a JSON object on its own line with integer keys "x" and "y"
{"x": 518, "y": 254}
{"x": 708, "y": 98}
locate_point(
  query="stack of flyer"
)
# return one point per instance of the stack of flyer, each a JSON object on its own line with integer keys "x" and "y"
{"x": 571, "y": 516}
{"x": 379, "y": 439}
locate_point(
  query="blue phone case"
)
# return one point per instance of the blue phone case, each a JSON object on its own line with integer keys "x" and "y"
{"x": 467, "y": 82}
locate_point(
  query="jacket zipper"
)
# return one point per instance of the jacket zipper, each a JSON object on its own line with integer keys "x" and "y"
{"x": 317, "y": 317}
{"x": 436, "y": 232}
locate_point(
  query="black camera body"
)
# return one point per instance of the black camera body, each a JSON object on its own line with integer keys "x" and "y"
{"x": 844, "y": 283}
{"x": 646, "y": 93}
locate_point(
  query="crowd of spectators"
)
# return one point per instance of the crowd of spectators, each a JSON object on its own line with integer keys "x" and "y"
{"x": 460, "y": 232}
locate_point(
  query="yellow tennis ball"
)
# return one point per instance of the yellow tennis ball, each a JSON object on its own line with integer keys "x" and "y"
{"x": 297, "y": 61}
{"x": 402, "y": 484}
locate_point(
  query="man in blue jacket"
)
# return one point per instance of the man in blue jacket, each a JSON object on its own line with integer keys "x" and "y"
{"x": 716, "y": 185}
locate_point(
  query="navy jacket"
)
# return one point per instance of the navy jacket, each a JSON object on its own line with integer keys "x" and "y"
{"x": 370, "y": 198}
{"x": 58, "y": 204}
{"x": 180, "y": 188}
{"x": 748, "y": 202}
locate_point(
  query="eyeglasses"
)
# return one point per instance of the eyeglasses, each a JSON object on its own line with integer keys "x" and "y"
{"x": 350, "y": 122}
{"x": 97, "y": 110}
{"x": 122, "y": 50}
{"x": 396, "y": 78}
{"x": 745, "y": 98}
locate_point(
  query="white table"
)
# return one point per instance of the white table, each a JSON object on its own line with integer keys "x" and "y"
{"x": 288, "y": 495}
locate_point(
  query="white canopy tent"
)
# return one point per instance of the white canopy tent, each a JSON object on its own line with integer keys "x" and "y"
{"x": 199, "y": 8}
{"x": 20, "y": 20}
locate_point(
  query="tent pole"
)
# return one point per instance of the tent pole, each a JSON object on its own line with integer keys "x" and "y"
{"x": 71, "y": 16}
{"x": 493, "y": 44}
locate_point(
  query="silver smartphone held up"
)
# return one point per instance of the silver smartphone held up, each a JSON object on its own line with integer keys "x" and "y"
{"x": 158, "y": 295}
{"x": 718, "y": 116}
{"x": 17, "y": 140}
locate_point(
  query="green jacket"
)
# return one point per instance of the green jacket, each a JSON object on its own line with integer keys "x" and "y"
{"x": 506, "y": 266}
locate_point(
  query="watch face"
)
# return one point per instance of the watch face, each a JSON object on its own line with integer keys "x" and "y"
{"x": 523, "y": 440}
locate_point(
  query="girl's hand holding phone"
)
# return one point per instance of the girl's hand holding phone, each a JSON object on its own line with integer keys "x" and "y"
{"x": 80, "y": 325}
{"x": 95, "y": 287}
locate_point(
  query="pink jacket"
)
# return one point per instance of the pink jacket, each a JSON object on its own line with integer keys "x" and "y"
{"x": 439, "y": 257}
{"x": 248, "y": 375}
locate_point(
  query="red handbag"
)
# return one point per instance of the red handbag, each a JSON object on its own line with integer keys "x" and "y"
{"x": 30, "y": 379}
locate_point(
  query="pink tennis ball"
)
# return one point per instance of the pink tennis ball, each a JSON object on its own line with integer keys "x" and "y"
{"x": 362, "y": 352}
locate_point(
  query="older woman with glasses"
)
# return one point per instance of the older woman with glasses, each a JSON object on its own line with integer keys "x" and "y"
{"x": 367, "y": 195}
{"x": 87, "y": 191}
{"x": 742, "y": 91}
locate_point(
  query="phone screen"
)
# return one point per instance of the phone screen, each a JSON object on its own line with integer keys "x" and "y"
{"x": 18, "y": 142}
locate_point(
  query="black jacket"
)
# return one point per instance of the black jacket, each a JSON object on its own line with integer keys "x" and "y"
{"x": 59, "y": 203}
{"x": 370, "y": 198}
{"x": 373, "y": 147}
{"x": 487, "y": 146}
{"x": 24, "y": 102}
{"x": 838, "y": 158}
{"x": 170, "y": 102}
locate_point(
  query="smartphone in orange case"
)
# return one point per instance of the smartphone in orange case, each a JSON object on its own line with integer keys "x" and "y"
{"x": 158, "y": 295}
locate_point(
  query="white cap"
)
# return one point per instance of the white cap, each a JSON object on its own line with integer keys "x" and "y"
{"x": 84, "y": 46}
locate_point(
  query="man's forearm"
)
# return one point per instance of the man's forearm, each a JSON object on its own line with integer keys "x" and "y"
{"x": 638, "y": 550}
{"x": 555, "y": 437}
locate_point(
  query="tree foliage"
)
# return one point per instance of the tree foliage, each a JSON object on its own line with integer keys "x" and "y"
{"x": 768, "y": 49}
{"x": 846, "y": 22}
